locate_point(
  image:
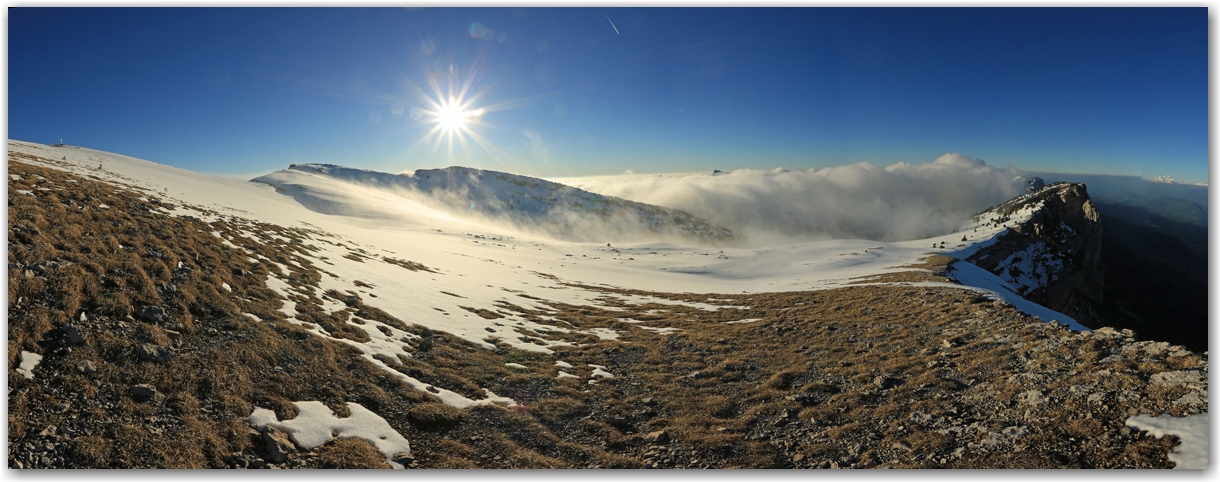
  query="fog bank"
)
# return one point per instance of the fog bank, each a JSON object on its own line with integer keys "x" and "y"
{"x": 894, "y": 203}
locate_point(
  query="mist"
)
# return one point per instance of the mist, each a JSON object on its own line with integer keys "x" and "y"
{"x": 761, "y": 207}
{"x": 856, "y": 201}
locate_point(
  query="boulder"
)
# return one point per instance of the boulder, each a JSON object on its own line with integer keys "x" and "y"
{"x": 1032, "y": 397}
{"x": 151, "y": 352}
{"x": 403, "y": 458}
{"x": 658, "y": 437}
{"x": 278, "y": 446}
{"x": 143, "y": 392}
{"x": 72, "y": 334}
{"x": 886, "y": 383}
{"x": 1188, "y": 378}
{"x": 86, "y": 367}
{"x": 155, "y": 314}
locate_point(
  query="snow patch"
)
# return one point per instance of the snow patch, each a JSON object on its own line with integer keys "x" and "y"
{"x": 28, "y": 362}
{"x": 603, "y": 333}
{"x": 1191, "y": 430}
{"x": 315, "y": 424}
{"x": 661, "y": 331}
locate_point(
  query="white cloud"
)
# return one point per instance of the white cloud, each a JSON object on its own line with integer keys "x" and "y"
{"x": 898, "y": 202}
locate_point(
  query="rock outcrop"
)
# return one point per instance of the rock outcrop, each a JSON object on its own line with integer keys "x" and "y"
{"x": 1053, "y": 258}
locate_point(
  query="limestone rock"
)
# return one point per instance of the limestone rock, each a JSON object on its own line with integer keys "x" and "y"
{"x": 143, "y": 392}
{"x": 86, "y": 367}
{"x": 151, "y": 352}
{"x": 155, "y": 314}
{"x": 403, "y": 458}
{"x": 73, "y": 334}
{"x": 278, "y": 446}
{"x": 886, "y": 383}
{"x": 658, "y": 437}
{"x": 1054, "y": 257}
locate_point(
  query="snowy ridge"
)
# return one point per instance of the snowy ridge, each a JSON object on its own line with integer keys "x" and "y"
{"x": 526, "y": 202}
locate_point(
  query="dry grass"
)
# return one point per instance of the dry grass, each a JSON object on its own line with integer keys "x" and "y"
{"x": 351, "y": 453}
{"x": 801, "y": 381}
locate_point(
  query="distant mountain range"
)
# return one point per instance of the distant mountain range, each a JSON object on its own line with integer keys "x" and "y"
{"x": 1170, "y": 180}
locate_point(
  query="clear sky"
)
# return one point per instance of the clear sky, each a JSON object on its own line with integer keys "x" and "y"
{"x": 583, "y": 91}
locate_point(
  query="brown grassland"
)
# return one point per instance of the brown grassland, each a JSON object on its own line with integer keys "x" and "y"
{"x": 867, "y": 376}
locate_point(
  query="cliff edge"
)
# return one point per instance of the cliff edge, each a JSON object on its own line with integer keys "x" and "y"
{"x": 1052, "y": 257}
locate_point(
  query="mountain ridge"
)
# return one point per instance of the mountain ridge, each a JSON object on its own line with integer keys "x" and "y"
{"x": 159, "y": 320}
{"x": 561, "y": 210}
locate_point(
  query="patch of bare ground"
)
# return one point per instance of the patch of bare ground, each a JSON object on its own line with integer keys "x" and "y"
{"x": 934, "y": 268}
{"x": 866, "y": 376}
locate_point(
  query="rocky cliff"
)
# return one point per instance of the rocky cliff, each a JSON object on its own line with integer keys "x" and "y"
{"x": 1052, "y": 257}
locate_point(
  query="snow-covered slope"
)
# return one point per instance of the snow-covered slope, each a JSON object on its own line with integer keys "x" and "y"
{"x": 364, "y": 237}
{"x": 521, "y": 201}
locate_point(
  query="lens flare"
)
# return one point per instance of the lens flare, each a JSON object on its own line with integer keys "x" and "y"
{"x": 454, "y": 117}
{"x": 452, "y": 100}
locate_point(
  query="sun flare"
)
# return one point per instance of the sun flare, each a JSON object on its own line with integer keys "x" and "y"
{"x": 455, "y": 109}
{"x": 453, "y": 117}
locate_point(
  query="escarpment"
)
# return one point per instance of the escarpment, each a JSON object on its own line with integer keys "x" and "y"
{"x": 1053, "y": 257}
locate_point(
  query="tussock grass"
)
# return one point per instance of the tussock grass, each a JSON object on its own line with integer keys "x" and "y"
{"x": 351, "y": 453}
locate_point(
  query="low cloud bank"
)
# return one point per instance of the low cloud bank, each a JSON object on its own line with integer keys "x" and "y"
{"x": 898, "y": 202}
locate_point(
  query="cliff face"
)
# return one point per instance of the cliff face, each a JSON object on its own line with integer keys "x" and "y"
{"x": 1054, "y": 257}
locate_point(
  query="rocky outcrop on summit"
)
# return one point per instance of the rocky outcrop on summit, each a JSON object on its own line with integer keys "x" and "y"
{"x": 1032, "y": 183}
{"x": 1053, "y": 257}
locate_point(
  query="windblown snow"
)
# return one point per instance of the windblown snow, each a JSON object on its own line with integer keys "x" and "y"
{"x": 526, "y": 203}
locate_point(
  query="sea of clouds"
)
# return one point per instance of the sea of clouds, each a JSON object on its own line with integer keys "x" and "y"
{"x": 856, "y": 201}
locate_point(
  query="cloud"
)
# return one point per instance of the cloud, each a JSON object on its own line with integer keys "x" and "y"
{"x": 856, "y": 201}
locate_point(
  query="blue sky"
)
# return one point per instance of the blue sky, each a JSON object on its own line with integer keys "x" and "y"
{"x": 1105, "y": 91}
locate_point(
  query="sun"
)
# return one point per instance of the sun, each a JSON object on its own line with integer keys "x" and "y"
{"x": 453, "y": 117}
{"x": 455, "y": 109}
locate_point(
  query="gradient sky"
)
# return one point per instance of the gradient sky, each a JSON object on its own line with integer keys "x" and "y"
{"x": 236, "y": 91}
